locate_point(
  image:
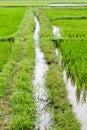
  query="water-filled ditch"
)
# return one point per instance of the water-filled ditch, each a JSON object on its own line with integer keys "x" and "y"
{"x": 79, "y": 107}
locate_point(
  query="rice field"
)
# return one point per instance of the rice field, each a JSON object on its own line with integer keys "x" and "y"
{"x": 71, "y": 12}
{"x": 40, "y": 3}
{"x": 68, "y": 1}
{"x": 10, "y": 19}
{"x": 16, "y": 90}
{"x": 21, "y": 3}
{"x": 73, "y": 48}
{"x": 5, "y": 51}
{"x": 33, "y": 91}
{"x": 72, "y": 22}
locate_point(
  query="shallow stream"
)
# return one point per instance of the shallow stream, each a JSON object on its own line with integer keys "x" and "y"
{"x": 43, "y": 114}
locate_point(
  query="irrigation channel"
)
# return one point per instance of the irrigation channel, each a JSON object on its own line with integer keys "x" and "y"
{"x": 66, "y": 5}
{"x": 43, "y": 114}
{"x": 79, "y": 107}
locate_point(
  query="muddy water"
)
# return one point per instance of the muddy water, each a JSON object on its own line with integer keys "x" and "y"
{"x": 67, "y": 5}
{"x": 79, "y": 106}
{"x": 43, "y": 121}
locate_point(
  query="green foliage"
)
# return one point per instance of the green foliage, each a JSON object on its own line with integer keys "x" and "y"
{"x": 44, "y": 1}
{"x": 72, "y": 28}
{"x": 16, "y": 89}
{"x": 22, "y": 99}
{"x": 72, "y": 21}
{"x": 65, "y": 12}
{"x": 68, "y": 1}
{"x": 64, "y": 118}
{"x": 25, "y": 3}
{"x": 74, "y": 45}
{"x": 10, "y": 19}
{"x": 5, "y": 51}
{"x": 75, "y": 60}
{"x": 22, "y": 121}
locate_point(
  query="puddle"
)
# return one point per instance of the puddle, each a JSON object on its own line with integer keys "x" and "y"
{"x": 58, "y": 54}
{"x": 66, "y": 5}
{"x": 56, "y": 31}
{"x": 79, "y": 106}
{"x": 41, "y": 97}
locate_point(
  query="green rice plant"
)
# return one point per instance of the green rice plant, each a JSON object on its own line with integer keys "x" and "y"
{"x": 5, "y": 51}
{"x": 26, "y": 3}
{"x": 72, "y": 28}
{"x": 63, "y": 117}
{"x": 22, "y": 99}
{"x": 16, "y": 89}
{"x": 72, "y": 22}
{"x": 68, "y": 1}
{"x": 75, "y": 61}
{"x": 10, "y": 19}
{"x": 63, "y": 12}
{"x": 74, "y": 46}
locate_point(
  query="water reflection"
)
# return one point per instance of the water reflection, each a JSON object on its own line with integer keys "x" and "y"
{"x": 66, "y": 5}
{"x": 78, "y": 98}
{"x": 43, "y": 114}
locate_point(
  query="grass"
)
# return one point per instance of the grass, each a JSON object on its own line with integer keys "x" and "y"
{"x": 17, "y": 105}
{"x": 72, "y": 28}
{"x": 74, "y": 58}
{"x": 60, "y": 107}
{"x": 36, "y": 2}
{"x": 24, "y": 3}
{"x": 10, "y": 18}
{"x": 17, "y": 109}
{"x": 73, "y": 47}
{"x": 33, "y": 2}
{"x": 23, "y": 116}
{"x": 68, "y": 1}
{"x": 5, "y": 51}
{"x": 63, "y": 12}
{"x": 72, "y": 22}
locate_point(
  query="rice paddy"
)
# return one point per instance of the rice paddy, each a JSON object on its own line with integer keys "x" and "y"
{"x": 34, "y": 86}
